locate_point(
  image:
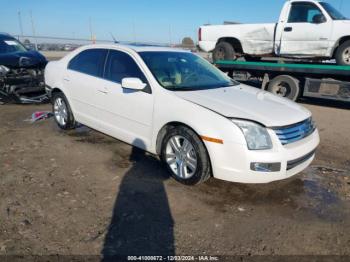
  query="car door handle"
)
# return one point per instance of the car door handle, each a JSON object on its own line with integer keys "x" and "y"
{"x": 288, "y": 29}
{"x": 66, "y": 79}
{"x": 103, "y": 90}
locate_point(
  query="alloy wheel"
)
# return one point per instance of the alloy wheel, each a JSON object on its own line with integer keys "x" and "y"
{"x": 181, "y": 157}
{"x": 60, "y": 111}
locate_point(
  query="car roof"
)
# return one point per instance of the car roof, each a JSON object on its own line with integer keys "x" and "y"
{"x": 311, "y": 1}
{"x": 5, "y": 36}
{"x": 138, "y": 48}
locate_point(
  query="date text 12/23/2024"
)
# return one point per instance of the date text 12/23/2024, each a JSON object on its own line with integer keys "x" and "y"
{"x": 173, "y": 258}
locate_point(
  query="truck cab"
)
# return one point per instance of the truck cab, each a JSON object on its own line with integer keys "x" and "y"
{"x": 306, "y": 29}
{"x": 310, "y": 29}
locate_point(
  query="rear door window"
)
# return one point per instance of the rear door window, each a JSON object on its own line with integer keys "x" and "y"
{"x": 89, "y": 62}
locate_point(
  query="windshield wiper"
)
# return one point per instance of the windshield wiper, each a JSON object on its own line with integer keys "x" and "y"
{"x": 181, "y": 88}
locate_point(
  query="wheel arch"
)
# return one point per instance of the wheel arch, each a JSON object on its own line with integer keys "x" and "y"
{"x": 237, "y": 45}
{"x": 339, "y": 43}
{"x": 56, "y": 90}
{"x": 162, "y": 132}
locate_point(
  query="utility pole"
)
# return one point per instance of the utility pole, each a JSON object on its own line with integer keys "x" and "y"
{"x": 170, "y": 36}
{"x": 91, "y": 34}
{"x": 33, "y": 29}
{"x": 134, "y": 31}
{"x": 20, "y": 23}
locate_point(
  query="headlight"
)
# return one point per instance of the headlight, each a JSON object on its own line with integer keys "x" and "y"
{"x": 25, "y": 61}
{"x": 3, "y": 70}
{"x": 256, "y": 135}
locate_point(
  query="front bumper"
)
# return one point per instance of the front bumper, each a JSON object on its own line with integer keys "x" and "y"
{"x": 232, "y": 162}
{"x": 23, "y": 85}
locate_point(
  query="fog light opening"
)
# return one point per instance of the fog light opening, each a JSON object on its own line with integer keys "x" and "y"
{"x": 265, "y": 167}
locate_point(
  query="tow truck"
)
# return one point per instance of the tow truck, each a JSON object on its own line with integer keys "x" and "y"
{"x": 306, "y": 29}
{"x": 292, "y": 79}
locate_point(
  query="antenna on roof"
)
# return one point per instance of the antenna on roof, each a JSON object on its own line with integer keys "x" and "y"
{"x": 115, "y": 40}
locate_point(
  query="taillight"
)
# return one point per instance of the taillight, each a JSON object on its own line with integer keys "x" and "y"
{"x": 200, "y": 34}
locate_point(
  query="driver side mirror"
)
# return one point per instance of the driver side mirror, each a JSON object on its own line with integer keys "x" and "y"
{"x": 133, "y": 83}
{"x": 319, "y": 19}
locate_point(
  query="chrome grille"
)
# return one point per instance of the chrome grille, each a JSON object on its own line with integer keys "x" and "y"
{"x": 296, "y": 132}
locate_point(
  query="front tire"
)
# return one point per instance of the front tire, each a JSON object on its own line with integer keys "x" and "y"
{"x": 185, "y": 156}
{"x": 62, "y": 112}
{"x": 343, "y": 54}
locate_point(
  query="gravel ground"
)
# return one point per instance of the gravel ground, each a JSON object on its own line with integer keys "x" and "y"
{"x": 83, "y": 193}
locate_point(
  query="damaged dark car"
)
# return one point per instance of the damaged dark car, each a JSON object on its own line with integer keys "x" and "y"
{"x": 21, "y": 72}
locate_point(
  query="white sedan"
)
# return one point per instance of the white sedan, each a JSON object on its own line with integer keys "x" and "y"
{"x": 177, "y": 105}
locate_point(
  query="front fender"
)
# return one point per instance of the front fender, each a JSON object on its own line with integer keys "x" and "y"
{"x": 201, "y": 120}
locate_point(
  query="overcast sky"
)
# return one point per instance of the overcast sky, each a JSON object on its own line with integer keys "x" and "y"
{"x": 141, "y": 20}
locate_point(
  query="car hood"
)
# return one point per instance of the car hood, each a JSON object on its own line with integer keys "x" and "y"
{"x": 29, "y": 59}
{"x": 249, "y": 103}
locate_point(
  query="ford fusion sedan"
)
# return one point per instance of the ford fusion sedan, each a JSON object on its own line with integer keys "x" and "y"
{"x": 175, "y": 104}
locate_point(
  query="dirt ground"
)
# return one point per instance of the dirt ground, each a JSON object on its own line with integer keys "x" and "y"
{"x": 83, "y": 193}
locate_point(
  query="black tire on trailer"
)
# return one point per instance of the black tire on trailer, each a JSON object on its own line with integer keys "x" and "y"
{"x": 62, "y": 112}
{"x": 342, "y": 54}
{"x": 285, "y": 86}
{"x": 185, "y": 156}
{"x": 224, "y": 51}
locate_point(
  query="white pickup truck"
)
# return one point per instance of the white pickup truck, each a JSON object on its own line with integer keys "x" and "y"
{"x": 306, "y": 29}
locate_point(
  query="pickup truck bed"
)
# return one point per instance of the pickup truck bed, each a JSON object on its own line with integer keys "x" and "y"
{"x": 257, "y": 39}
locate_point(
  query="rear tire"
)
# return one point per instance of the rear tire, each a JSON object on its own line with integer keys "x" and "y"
{"x": 62, "y": 112}
{"x": 285, "y": 86}
{"x": 187, "y": 160}
{"x": 342, "y": 55}
{"x": 224, "y": 51}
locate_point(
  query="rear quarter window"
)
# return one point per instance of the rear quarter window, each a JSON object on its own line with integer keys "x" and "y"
{"x": 90, "y": 62}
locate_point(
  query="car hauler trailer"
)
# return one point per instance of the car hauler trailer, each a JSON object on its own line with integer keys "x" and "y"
{"x": 293, "y": 80}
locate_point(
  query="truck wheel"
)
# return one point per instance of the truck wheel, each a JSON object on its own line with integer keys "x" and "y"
{"x": 285, "y": 86}
{"x": 343, "y": 54}
{"x": 224, "y": 51}
{"x": 62, "y": 112}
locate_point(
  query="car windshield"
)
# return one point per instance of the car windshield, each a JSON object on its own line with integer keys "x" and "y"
{"x": 334, "y": 13}
{"x": 182, "y": 71}
{"x": 11, "y": 46}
